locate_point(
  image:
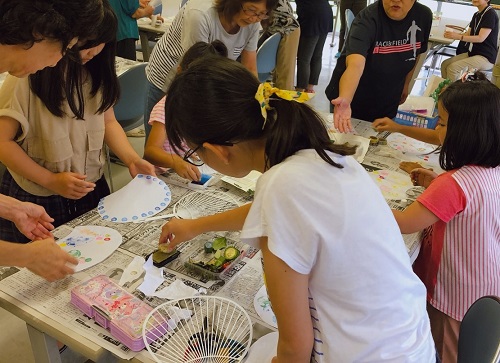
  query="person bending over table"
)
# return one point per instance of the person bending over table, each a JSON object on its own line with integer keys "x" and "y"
{"x": 458, "y": 260}
{"x": 158, "y": 150}
{"x": 481, "y": 41}
{"x": 332, "y": 279}
{"x": 49, "y": 28}
{"x": 234, "y": 22}
{"x": 373, "y": 73}
{"x": 52, "y": 129}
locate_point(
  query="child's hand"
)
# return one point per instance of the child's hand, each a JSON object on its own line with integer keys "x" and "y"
{"x": 71, "y": 185}
{"x": 186, "y": 170}
{"x": 385, "y": 124}
{"x": 141, "y": 166}
{"x": 176, "y": 231}
{"x": 422, "y": 177}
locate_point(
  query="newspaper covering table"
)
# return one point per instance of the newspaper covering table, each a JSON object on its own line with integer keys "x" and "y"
{"x": 240, "y": 284}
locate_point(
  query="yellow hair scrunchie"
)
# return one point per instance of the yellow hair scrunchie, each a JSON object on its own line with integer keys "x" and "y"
{"x": 265, "y": 91}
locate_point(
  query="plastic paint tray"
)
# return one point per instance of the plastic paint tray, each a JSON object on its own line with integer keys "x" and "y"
{"x": 409, "y": 118}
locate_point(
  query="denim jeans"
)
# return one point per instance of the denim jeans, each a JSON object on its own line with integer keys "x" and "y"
{"x": 152, "y": 97}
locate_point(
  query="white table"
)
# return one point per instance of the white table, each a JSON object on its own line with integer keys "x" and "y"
{"x": 146, "y": 30}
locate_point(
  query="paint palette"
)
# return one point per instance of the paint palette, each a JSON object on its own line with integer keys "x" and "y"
{"x": 90, "y": 244}
{"x": 263, "y": 307}
{"x": 392, "y": 184}
{"x": 142, "y": 198}
{"x": 408, "y": 145}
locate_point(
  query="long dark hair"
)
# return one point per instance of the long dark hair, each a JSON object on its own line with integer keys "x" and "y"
{"x": 473, "y": 130}
{"x": 64, "y": 82}
{"x": 214, "y": 101}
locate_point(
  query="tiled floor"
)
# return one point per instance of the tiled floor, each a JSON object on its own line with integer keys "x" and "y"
{"x": 14, "y": 341}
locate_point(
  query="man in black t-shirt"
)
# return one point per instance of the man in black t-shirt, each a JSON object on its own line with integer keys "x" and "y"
{"x": 373, "y": 73}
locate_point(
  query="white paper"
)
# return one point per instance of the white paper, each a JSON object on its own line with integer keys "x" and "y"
{"x": 176, "y": 290}
{"x": 264, "y": 349}
{"x": 153, "y": 278}
{"x": 361, "y": 143}
{"x": 143, "y": 197}
{"x": 246, "y": 183}
{"x": 133, "y": 271}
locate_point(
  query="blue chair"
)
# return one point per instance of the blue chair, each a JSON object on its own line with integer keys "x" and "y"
{"x": 129, "y": 110}
{"x": 266, "y": 56}
{"x": 479, "y": 339}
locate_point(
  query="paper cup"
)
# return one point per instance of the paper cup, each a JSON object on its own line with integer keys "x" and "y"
{"x": 154, "y": 19}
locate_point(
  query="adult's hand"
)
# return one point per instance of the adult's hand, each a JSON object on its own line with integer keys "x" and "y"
{"x": 32, "y": 220}
{"x": 70, "y": 185}
{"x": 342, "y": 114}
{"x": 177, "y": 231}
{"x": 46, "y": 259}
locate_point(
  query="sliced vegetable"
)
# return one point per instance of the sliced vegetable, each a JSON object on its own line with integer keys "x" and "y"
{"x": 219, "y": 243}
{"x": 230, "y": 253}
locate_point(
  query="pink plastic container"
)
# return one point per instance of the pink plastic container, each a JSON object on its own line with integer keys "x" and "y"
{"x": 116, "y": 310}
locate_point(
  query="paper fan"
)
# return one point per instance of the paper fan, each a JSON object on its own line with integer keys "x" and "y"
{"x": 206, "y": 329}
{"x": 262, "y": 306}
{"x": 143, "y": 197}
{"x": 199, "y": 204}
{"x": 392, "y": 184}
{"x": 409, "y": 145}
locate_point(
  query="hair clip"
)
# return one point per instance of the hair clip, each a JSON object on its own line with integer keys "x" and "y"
{"x": 266, "y": 90}
{"x": 468, "y": 74}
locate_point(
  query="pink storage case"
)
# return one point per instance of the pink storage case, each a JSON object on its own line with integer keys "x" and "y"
{"x": 115, "y": 309}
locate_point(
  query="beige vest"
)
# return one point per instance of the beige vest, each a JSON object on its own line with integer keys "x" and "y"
{"x": 57, "y": 144}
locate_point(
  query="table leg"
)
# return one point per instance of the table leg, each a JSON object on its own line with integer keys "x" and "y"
{"x": 44, "y": 347}
{"x": 144, "y": 45}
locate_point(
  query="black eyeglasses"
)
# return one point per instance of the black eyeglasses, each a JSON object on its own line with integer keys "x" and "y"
{"x": 189, "y": 156}
{"x": 260, "y": 16}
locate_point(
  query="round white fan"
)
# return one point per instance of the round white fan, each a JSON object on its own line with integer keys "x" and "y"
{"x": 206, "y": 329}
{"x": 198, "y": 204}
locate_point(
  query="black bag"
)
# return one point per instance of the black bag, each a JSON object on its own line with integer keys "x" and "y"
{"x": 462, "y": 47}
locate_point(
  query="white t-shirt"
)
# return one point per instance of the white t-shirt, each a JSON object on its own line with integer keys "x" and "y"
{"x": 334, "y": 224}
{"x": 196, "y": 21}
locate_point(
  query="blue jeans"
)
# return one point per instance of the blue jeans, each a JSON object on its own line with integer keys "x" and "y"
{"x": 152, "y": 97}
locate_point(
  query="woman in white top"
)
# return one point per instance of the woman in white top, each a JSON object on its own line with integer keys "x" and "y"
{"x": 337, "y": 270}
{"x": 234, "y": 22}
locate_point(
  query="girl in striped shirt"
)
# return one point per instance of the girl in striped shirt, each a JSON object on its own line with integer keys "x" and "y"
{"x": 157, "y": 149}
{"x": 460, "y": 253}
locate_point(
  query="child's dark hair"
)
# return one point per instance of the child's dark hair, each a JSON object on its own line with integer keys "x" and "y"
{"x": 64, "y": 82}
{"x": 200, "y": 49}
{"x": 473, "y": 130}
{"x": 214, "y": 101}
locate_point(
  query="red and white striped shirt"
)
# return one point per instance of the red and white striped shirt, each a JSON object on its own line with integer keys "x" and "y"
{"x": 460, "y": 257}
